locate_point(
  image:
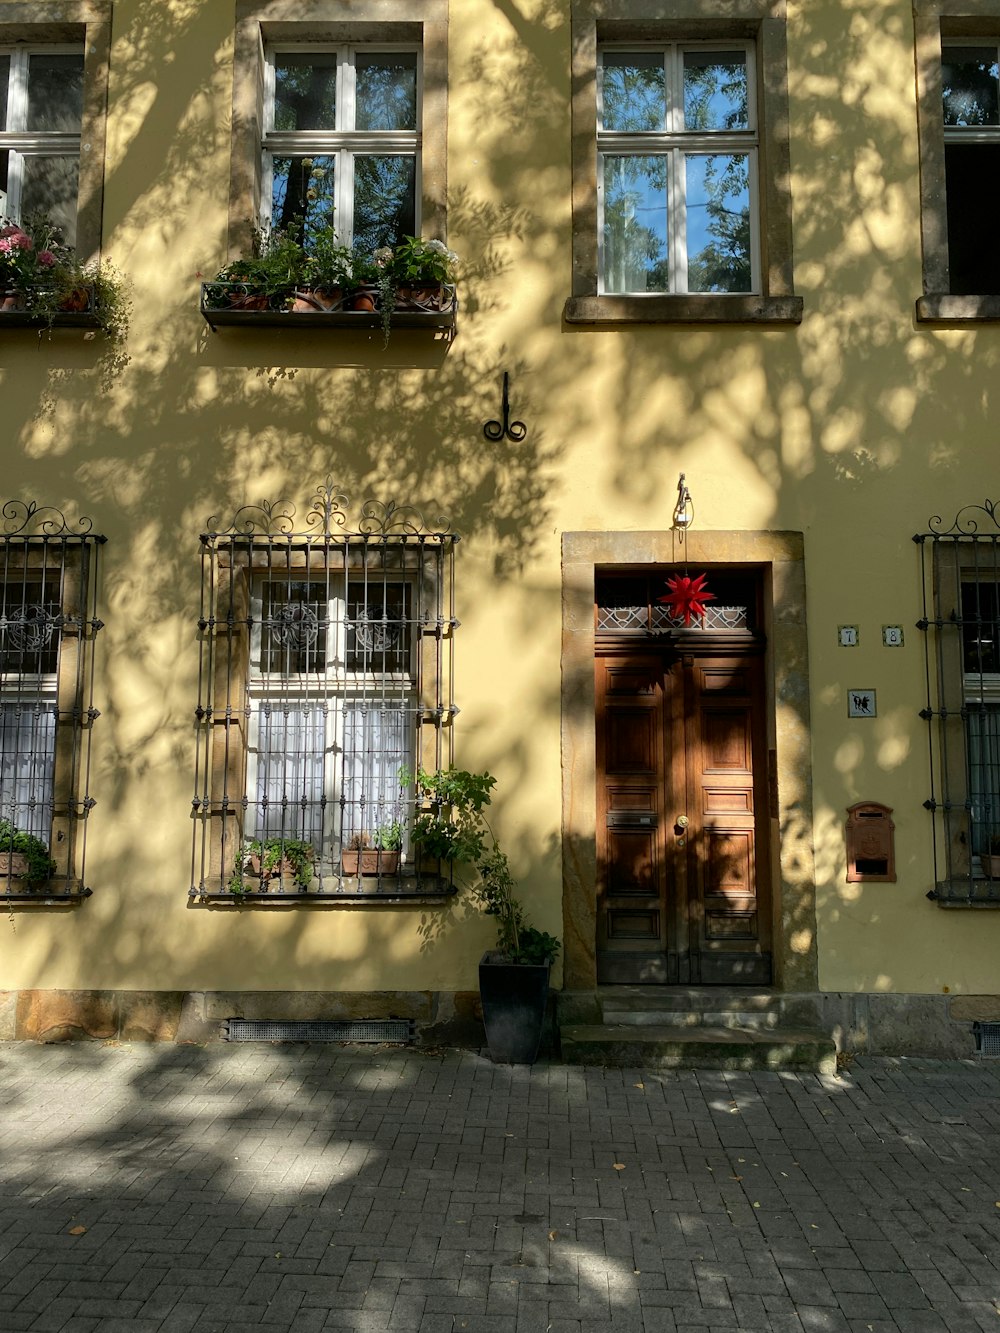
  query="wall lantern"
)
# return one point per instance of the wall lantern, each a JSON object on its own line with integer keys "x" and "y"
{"x": 684, "y": 508}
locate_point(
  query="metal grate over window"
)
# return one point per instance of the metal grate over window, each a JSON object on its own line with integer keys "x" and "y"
{"x": 326, "y": 680}
{"x": 48, "y": 630}
{"x": 961, "y": 624}
{"x": 401, "y": 1031}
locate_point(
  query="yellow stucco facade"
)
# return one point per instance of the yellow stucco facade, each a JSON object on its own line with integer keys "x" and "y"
{"x": 849, "y": 428}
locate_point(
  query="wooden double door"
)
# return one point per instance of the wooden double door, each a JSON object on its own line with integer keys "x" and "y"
{"x": 683, "y": 818}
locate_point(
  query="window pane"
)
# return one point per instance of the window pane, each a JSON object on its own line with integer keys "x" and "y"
{"x": 305, "y": 90}
{"x": 27, "y": 760}
{"x": 718, "y": 222}
{"x": 715, "y": 90}
{"x": 969, "y": 85}
{"x": 384, "y": 200}
{"x": 55, "y": 93}
{"x": 386, "y": 91}
{"x": 4, "y": 88}
{"x": 980, "y": 629}
{"x": 635, "y": 224}
{"x": 376, "y": 747}
{"x": 634, "y": 91}
{"x": 302, "y": 191}
{"x": 291, "y": 745}
{"x": 50, "y": 186}
{"x": 984, "y": 774}
{"x": 377, "y": 629}
{"x": 972, "y": 186}
{"x": 29, "y": 628}
{"x": 293, "y": 628}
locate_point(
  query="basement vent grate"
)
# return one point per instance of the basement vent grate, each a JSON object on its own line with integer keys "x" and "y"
{"x": 363, "y": 1029}
{"x": 987, "y": 1039}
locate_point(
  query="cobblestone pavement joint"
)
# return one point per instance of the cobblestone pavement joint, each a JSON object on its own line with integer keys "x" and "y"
{"x": 161, "y": 1189}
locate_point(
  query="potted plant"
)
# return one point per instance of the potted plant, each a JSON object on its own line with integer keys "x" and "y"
{"x": 990, "y": 861}
{"x": 421, "y": 271}
{"x": 375, "y": 855}
{"x": 23, "y": 856}
{"x": 274, "y": 858}
{"x": 513, "y": 977}
{"x": 388, "y": 843}
{"x": 42, "y": 276}
{"x": 329, "y": 273}
{"x": 265, "y": 280}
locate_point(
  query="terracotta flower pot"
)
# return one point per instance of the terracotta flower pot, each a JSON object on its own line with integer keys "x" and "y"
{"x": 421, "y": 296}
{"x": 13, "y": 865}
{"x": 364, "y": 299}
{"x": 11, "y": 301}
{"x": 76, "y": 300}
{"x": 369, "y": 861}
{"x": 990, "y": 865}
{"x": 309, "y": 300}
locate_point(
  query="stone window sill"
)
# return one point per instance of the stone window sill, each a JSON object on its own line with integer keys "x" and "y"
{"x": 943, "y": 308}
{"x": 683, "y": 310}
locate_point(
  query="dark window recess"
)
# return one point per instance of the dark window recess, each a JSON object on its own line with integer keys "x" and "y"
{"x": 48, "y": 632}
{"x": 972, "y": 183}
{"x": 961, "y": 624}
{"x": 326, "y": 680}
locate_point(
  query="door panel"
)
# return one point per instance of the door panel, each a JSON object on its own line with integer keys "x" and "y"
{"x": 682, "y": 850}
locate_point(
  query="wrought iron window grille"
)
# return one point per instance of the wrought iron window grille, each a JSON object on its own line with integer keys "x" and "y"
{"x": 48, "y": 632}
{"x": 960, "y": 620}
{"x": 326, "y": 678}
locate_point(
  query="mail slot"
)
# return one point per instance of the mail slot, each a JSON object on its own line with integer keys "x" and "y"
{"x": 632, "y": 819}
{"x": 871, "y": 849}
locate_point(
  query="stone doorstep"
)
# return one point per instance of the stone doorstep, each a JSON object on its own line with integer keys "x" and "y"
{"x": 668, "y": 1046}
{"x": 727, "y": 1007}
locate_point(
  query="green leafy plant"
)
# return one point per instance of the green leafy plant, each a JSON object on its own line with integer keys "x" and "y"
{"x": 417, "y": 262}
{"x": 15, "y": 842}
{"x": 388, "y": 837}
{"x": 449, "y": 823}
{"x": 327, "y": 265}
{"x": 452, "y": 825}
{"x": 270, "y": 857}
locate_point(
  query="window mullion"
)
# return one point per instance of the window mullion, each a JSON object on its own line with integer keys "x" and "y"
{"x": 677, "y": 219}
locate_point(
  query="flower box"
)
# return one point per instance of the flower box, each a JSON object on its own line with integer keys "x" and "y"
{"x": 235, "y": 305}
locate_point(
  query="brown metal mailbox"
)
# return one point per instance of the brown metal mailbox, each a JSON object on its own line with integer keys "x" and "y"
{"x": 871, "y": 847}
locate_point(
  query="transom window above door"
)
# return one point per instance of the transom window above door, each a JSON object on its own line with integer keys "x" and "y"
{"x": 677, "y": 169}
{"x": 341, "y": 142}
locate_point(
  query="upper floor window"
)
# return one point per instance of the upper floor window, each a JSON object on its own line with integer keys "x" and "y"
{"x": 41, "y": 108}
{"x": 340, "y": 115}
{"x": 677, "y": 171}
{"x": 971, "y": 115}
{"x": 341, "y": 142}
{"x": 681, "y": 170}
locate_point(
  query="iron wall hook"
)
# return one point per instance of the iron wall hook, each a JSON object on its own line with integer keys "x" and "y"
{"x": 513, "y": 430}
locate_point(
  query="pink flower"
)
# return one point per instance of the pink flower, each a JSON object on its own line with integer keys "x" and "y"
{"x": 46, "y": 258}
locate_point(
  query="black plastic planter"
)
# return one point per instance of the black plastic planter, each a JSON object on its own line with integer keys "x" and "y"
{"x": 514, "y": 997}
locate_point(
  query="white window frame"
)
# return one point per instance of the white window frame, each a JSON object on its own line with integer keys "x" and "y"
{"x": 335, "y": 685}
{"x": 344, "y": 143}
{"x": 676, "y": 143}
{"x": 16, "y": 139}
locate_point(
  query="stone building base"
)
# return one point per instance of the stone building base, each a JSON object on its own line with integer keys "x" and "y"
{"x": 939, "y": 1026}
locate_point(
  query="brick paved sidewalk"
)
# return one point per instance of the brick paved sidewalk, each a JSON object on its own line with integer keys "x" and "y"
{"x": 157, "y": 1189}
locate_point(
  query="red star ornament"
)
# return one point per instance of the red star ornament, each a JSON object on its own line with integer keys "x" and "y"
{"x": 687, "y": 597}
